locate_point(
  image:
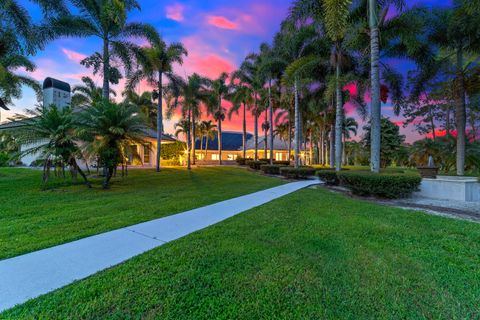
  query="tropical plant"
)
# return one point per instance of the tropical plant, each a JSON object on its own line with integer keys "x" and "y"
{"x": 49, "y": 133}
{"x": 144, "y": 103}
{"x": 350, "y": 126}
{"x": 242, "y": 95}
{"x": 155, "y": 62}
{"x": 108, "y": 130}
{"x": 85, "y": 94}
{"x": 219, "y": 90}
{"x": 207, "y": 131}
{"x": 107, "y": 20}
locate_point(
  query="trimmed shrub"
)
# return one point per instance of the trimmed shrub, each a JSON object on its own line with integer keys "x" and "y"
{"x": 329, "y": 177}
{"x": 242, "y": 161}
{"x": 282, "y": 163}
{"x": 271, "y": 169}
{"x": 255, "y": 165}
{"x": 389, "y": 186}
{"x": 4, "y": 159}
{"x": 297, "y": 173}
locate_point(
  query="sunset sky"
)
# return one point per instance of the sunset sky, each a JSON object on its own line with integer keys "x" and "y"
{"x": 217, "y": 33}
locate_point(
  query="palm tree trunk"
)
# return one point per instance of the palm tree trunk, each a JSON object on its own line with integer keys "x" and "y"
{"x": 332, "y": 147}
{"x": 265, "y": 142}
{"x": 255, "y": 129}
{"x": 289, "y": 139}
{"x": 298, "y": 132}
{"x": 460, "y": 115}
{"x": 194, "y": 142}
{"x": 270, "y": 107}
{"x": 189, "y": 143}
{"x": 206, "y": 148}
{"x": 344, "y": 160}
{"x": 311, "y": 148}
{"x": 447, "y": 122}
{"x": 106, "y": 70}
{"x": 244, "y": 131}
{"x": 220, "y": 130}
{"x": 375, "y": 78}
{"x": 159, "y": 120}
{"x": 338, "y": 122}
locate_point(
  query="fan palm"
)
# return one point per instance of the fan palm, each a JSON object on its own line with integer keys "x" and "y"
{"x": 107, "y": 20}
{"x": 155, "y": 62}
{"x": 108, "y": 130}
{"x": 50, "y": 133}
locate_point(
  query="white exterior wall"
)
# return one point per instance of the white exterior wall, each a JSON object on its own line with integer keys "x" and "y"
{"x": 57, "y": 97}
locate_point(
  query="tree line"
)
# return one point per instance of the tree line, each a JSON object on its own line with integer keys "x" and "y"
{"x": 296, "y": 86}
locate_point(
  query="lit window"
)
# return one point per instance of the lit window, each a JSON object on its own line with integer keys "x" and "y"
{"x": 231, "y": 157}
{"x": 215, "y": 156}
{"x": 279, "y": 156}
{"x": 146, "y": 152}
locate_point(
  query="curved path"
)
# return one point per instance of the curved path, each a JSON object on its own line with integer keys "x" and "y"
{"x": 33, "y": 274}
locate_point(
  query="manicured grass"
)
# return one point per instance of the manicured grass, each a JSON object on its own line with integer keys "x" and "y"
{"x": 310, "y": 255}
{"x": 32, "y": 219}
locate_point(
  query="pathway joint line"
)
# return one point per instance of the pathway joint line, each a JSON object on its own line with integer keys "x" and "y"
{"x": 31, "y": 275}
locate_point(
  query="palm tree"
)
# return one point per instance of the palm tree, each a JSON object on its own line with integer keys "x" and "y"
{"x": 155, "y": 62}
{"x": 242, "y": 95}
{"x": 85, "y": 94}
{"x": 192, "y": 92}
{"x": 144, "y": 103}
{"x": 453, "y": 34}
{"x": 183, "y": 127}
{"x": 207, "y": 131}
{"x": 107, "y": 20}
{"x": 219, "y": 90}
{"x": 10, "y": 82}
{"x": 299, "y": 49}
{"x": 350, "y": 125}
{"x": 108, "y": 130}
{"x": 51, "y": 133}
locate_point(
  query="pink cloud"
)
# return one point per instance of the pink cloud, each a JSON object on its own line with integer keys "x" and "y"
{"x": 73, "y": 55}
{"x": 222, "y": 22}
{"x": 175, "y": 12}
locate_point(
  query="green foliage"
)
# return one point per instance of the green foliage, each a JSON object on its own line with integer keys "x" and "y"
{"x": 173, "y": 151}
{"x": 271, "y": 169}
{"x": 255, "y": 165}
{"x": 282, "y": 163}
{"x": 297, "y": 173}
{"x": 390, "y": 186}
{"x": 4, "y": 159}
{"x": 391, "y": 141}
{"x": 329, "y": 177}
{"x": 242, "y": 161}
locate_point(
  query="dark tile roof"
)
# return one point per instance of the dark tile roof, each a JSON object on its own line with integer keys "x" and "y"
{"x": 231, "y": 141}
{"x": 57, "y": 84}
{"x": 153, "y": 134}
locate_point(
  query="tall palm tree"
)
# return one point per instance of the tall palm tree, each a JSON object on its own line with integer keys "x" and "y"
{"x": 299, "y": 49}
{"x": 107, "y": 20}
{"x": 242, "y": 96}
{"x": 219, "y": 90}
{"x": 155, "y": 62}
{"x": 108, "y": 130}
{"x": 192, "y": 93}
{"x": 50, "y": 132}
{"x": 454, "y": 35}
{"x": 88, "y": 92}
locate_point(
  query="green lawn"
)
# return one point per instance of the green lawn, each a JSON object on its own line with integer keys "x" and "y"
{"x": 31, "y": 219}
{"x": 309, "y": 255}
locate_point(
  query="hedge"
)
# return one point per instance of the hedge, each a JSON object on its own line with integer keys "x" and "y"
{"x": 282, "y": 163}
{"x": 328, "y": 176}
{"x": 271, "y": 169}
{"x": 390, "y": 186}
{"x": 242, "y": 161}
{"x": 297, "y": 173}
{"x": 255, "y": 164}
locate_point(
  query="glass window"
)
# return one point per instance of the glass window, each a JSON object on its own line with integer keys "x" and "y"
{"x": 231, "y": 157}
{"x": 146, "y": 152}
{"x": 215, "y": 156}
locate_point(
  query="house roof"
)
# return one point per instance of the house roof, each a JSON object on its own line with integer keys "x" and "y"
{"x": 2, "y": 105}
{"x": 233, "y": 141}
{"x": 57, "y": 84}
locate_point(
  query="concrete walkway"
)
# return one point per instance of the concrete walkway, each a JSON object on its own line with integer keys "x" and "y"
{"x": 33, "y": 274}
